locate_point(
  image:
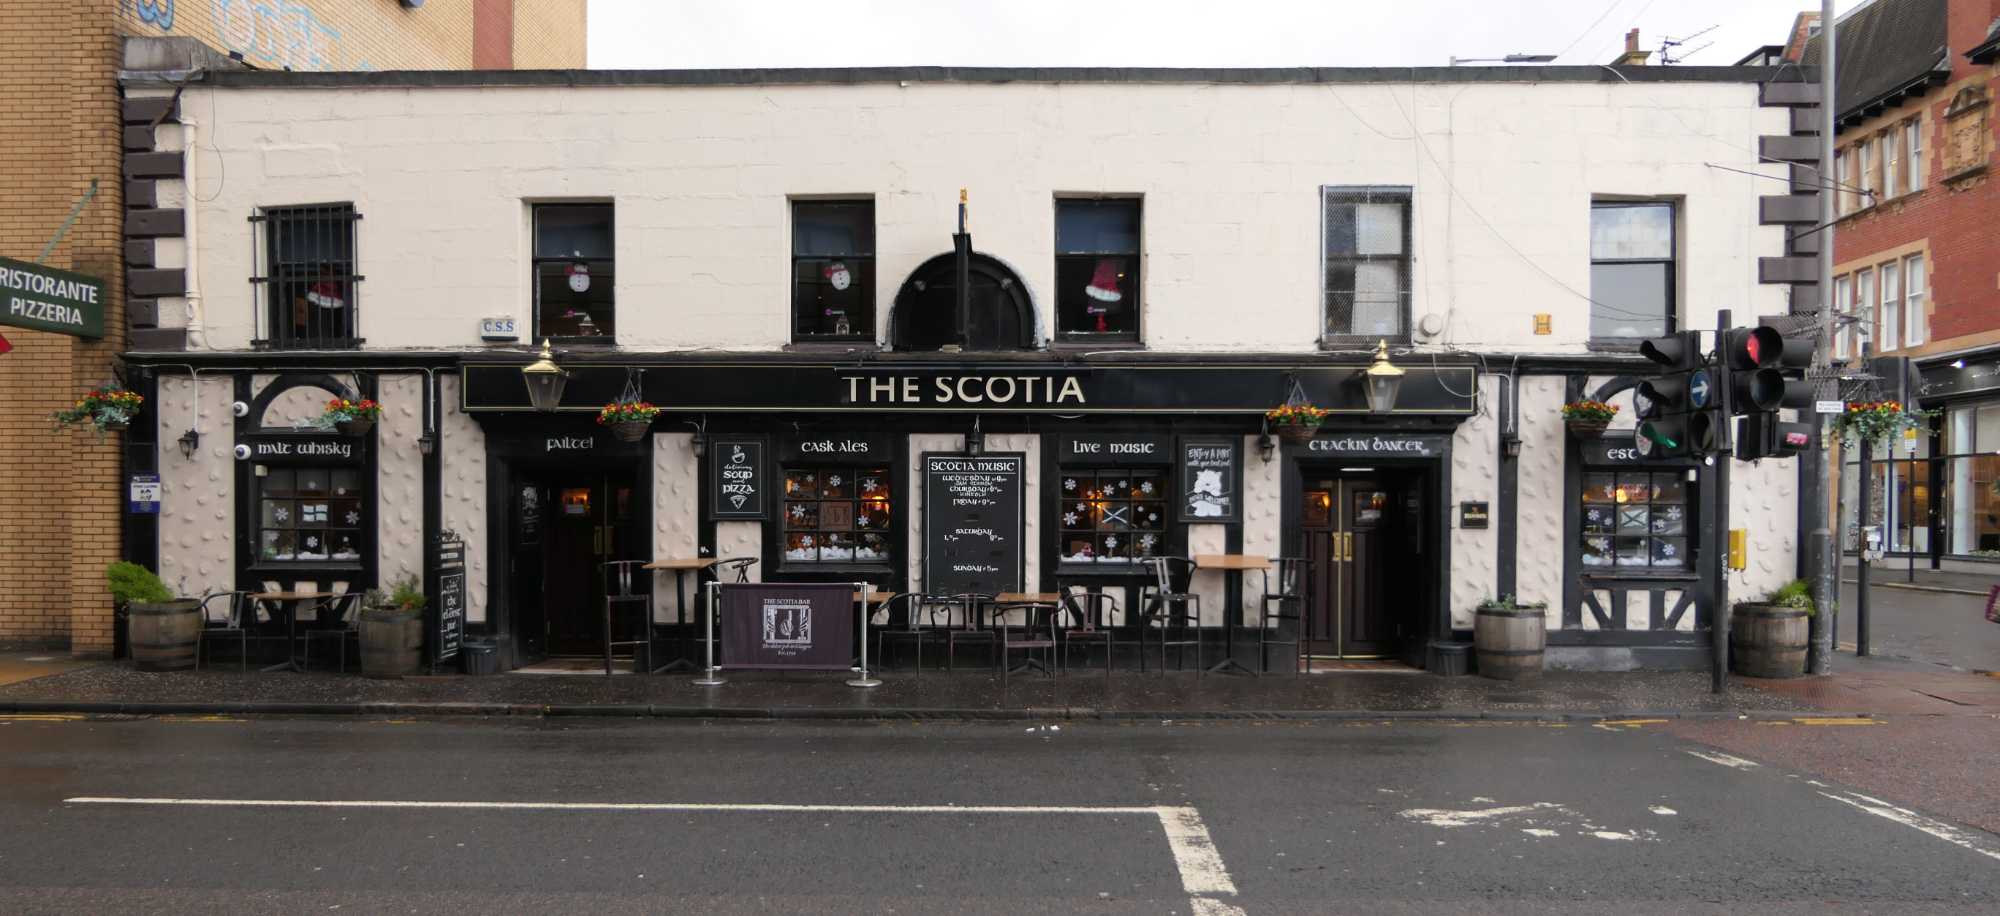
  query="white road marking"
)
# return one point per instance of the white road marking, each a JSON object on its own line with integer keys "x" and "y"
{"x": 1728, "y": 760}
{"x": 1957, "y": 836}
{"x": 1663, "y": 810}
{"x": 1446, "y": 817}
{"x": 1195, "y": 856}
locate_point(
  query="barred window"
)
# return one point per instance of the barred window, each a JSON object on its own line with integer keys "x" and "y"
{"x": 309, "y": 276}
{"x": 1366, "y": 277}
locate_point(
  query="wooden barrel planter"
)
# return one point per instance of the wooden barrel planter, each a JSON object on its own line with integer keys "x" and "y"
{"x": 1768, "y": 641}
{"x": 163, "y": 636}
{"x": 1509, "y": 641}
{"x": 392, "y": 642}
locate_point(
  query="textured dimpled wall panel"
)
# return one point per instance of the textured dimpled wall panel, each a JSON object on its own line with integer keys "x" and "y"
{"x": 676, "y": 512}
{"x": 1539, "y": 539}
{"x": 399, "y": 481}
{"x": 298, "y": 407}
{"x": 1029, "y": 444}
{"x": 1208, "y": 583}
{"x": 463, "y": 447}
{"x": 1764, "y": 500}
{"x": 741, "y": 539}
{"x": 1475, "y": 472}
{"x": 197, "y": 505}
{"x": 1263, "y": 510}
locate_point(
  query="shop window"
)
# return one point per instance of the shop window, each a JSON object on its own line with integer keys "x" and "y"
{"x": 1097, "y": 269}
{"x": 1366, "y": 274}
{"x": 574, "y": 272}
{"x": 1969, "y": 476}
{"x": 1864, "y": 302}
{"x": 1842, "y": 201}
{"x": 1890, "y": 323}
{"x": 310, "y": 514}
{"x": 1636, "y": 520}
{"x": 1916, "y": 302}
{"x": 1632, "y": 270}
{"x": 833, "y": 270}
{"x": 309, "y": 277}
{"x": 1843, "y": 303}
{"x": 1113, "y": 515}
{"x": 1913, "y": 162}
{"x": 839, "y": 514}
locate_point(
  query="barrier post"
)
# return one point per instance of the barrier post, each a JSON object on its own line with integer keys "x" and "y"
{"x": 866, "y": 592}
{"x": 714, "y": 608}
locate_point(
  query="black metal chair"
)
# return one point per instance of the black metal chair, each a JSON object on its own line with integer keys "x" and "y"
{"x": 738, "y": 567}
{"x": 1281, "y": 626}
{"x": 1090, "y": 614}
{"x": 628, "y": 584}
{"x": 1037, "y": 631}
{"x": 904, "y": 623}
{"x": 1172, "y": 604}
{"x": 227, "y": 625}
{"x": 336, "y": 618}
{"x": 971, "y": 628}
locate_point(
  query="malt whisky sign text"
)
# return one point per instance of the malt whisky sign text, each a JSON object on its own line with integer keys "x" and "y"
{"x": 46, "y": 299}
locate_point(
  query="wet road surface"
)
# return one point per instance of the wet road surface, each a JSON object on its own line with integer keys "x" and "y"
{"x": 844, "y": 818}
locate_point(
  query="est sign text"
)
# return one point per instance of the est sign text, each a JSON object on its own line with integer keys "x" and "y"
{"x": 46, "y": 299}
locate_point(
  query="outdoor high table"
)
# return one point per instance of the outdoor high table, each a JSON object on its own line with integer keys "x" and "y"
{"x": 1232, "y": 566}
{"x": 681, "y": 567}
{"x": 287, "y": 603}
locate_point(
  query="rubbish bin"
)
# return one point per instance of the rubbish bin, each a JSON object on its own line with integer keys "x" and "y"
{"x": 480, "y": 657}
{"x": 1451, "y": 659}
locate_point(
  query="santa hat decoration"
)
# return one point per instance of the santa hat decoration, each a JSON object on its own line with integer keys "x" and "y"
{"x": 326, "y": 295}
{"x": 837, "y": 274}
{"x": 1104, "y": 282}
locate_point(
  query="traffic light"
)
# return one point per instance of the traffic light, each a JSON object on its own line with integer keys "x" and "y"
{"x": 1768, "y": 372}
{"x": 1676, "y": 409}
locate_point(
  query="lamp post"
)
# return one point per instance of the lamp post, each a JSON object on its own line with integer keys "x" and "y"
{"x": 545, "y": 381}
{"x": 1382, "y": 380}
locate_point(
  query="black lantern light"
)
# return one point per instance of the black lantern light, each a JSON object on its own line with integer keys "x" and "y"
{"x": 427, "y": 443}
{"x": 545, "y": 381}
{"x": 189, "y": 441}
{"x": 1382, "y": 380}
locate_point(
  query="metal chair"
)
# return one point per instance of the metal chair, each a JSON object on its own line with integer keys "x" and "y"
{"x": 227, "y": 626}
{"x": 345, "y": 610}
{"x": 1037, "y": 631}
{"x": 903, "y": 622}
{"x": 1170, "y": 603}
{"x": 627, "y": 583}
{"x": 1290, "y": 614}
{"x": 1089, "y": 613}
{"x": 970, "y": 629}
{"x": 736, "y": 566}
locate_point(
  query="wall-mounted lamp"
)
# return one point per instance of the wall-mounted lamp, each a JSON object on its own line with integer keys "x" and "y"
{"x": 975, "y": 441}
{"x": 1267, "y": 447}
{"x": 1511, "y": 445}
{"x": 1382, "y": 380}
{"x": 189, "y": 441}
{"x": 700, "y": 444}
{"x": 545, "y": 381}
{"x": 427, "y": 443}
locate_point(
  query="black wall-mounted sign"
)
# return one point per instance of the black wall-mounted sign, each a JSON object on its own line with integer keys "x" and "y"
{"x": 1361, "y": 444}
{"x": 1609, "y": 449}
{"x": 320, "y": 448}
{"x": 971, "y": 387}
{"x": 448, "y": 612}
{"x": 1210, "y": 472}
{"x": 738, "y": 478}
{"x": 973, "y": 523}
{"x": 1473, "y": 514}
{"x": 858, "y": 448}
{"x": 1114, "y": 449}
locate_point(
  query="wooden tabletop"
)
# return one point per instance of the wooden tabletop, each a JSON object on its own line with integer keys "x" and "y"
{"x": 290, "y": 596}
{"x": 1230, "y": 561}
{"x": 1028, "y": 598}
{"x": 684, "y": 563}
{"x": 875, "y": 597}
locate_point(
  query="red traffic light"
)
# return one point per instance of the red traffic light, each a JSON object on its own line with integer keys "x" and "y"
{"x": 1753, "y": 348}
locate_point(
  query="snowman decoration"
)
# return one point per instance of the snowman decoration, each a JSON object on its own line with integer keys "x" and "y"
{"x": 840, "y": 278}
{"x": 579, "y": 277}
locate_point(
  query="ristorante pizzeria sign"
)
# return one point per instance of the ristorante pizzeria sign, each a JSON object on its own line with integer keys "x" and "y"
{"x": 1027, "y": 387}
{"x": 46, "y": 299}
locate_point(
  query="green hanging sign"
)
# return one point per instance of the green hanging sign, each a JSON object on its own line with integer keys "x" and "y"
{"x": 46, "y": 299}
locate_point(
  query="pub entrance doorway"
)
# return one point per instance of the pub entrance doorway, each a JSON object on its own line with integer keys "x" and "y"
{"x": 1363, "y": 532}
{"x": 565, "y": 525}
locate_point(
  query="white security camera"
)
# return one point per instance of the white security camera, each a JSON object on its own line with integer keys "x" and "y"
{"x": 243, "y": 453}
{"x": 240, "y": 408}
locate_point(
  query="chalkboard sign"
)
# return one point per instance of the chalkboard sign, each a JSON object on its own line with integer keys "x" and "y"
{"x": 972, "y": 523}
{"x": 1208, "y": 480}
{"x": 448, "y": 620}
{"x": 737, "y": 478}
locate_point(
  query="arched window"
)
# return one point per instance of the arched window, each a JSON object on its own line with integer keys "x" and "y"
{"x": 999, "y": 314}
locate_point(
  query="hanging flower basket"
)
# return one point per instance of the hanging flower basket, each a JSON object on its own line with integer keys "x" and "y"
{"x": 103, "y": 410}
{"x": 351, "y": 417}
{"x": 1296, "y": 423}
{"x": 1588, "y": 419}
{"x": 1875, "y": 421}
{"x": 628, "y": 418}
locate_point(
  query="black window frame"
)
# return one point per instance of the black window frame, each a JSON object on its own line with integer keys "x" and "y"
{"x": 802, "y": 278}
{"x": 302, "y": 286}
{"x": 1067, "y": 500}
{"x": 1332, "y": 195}
{"x": 856, "y": 522}
{"x": 1133, "y": 287}
{"x": 605, "y": 268}
{"x": 1672, "y": 263}
{"x": 1688, "y": 536}
{"x": 269, "y": 498}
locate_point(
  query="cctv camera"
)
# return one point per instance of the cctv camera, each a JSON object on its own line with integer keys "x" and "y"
{"x": 243, "y": 453}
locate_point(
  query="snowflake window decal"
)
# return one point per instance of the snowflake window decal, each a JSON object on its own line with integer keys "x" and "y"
{"x": 1146, "y": 487}
{"x": 282, "y": 514}
{"x": 1146, "y": 542}
{"x": 312, "y": 541}
{"x": 1069, "y": 518}
{"x": 798, "y": 512}
{"x": 870, "y": 485}
{"x": 861, "y": 522}
{"x": 1080, "y": 507}
{"x": 1069, "y": 483}
{"x": 833, "y": 480}
{"x": 353, "y": 517}
{"x": 1111, "y": 543}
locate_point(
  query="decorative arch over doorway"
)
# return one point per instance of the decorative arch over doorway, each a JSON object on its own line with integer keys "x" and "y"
{"x": 998, "y": 314}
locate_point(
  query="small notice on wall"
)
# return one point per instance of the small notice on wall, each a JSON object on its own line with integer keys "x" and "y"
{"x": 145, "y": 494}
{"x": 1208, "y": 480}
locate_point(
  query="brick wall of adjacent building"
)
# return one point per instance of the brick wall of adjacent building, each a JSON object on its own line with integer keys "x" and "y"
{"x": 550, "y": 34}
{"x": 59, "y": 495}
{"x": 370, "y": 34}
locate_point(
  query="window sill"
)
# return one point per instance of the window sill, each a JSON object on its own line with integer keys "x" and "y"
{"x": 1361, "y": 344}
{"x": 1614, "y": 344}
{"x": 1095, "y": 344}
{"x": 832, "y": 346}
{"x": 1639, "y": 575}
{"x": 606, "y": 342}
{"x": 330, "y": 343}
{"x": 822, "y": 572}
{"x": 1103, "y": 571}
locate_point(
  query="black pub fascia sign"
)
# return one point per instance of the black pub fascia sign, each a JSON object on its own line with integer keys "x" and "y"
{"x": 1022, "y": 389}
{"x": 283, "y": 448}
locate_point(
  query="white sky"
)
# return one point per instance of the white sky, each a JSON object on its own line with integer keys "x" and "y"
{"x": 676, "y": 34}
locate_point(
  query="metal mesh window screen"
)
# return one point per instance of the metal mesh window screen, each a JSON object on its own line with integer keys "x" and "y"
{"x": 308, "y": 275}
{"x": 1366, "y": 277}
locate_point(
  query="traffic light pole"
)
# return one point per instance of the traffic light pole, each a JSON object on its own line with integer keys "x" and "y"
{"x": 1821, "y": 563}
{"x": 1864, "y": 510}
{"x": 1715, "y": 563}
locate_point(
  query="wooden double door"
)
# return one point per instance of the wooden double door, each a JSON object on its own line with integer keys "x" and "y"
{"x": 565, "y": 526}
{"x": 1363, "y": 539}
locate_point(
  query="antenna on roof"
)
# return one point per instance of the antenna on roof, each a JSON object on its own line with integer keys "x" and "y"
{"x": 1669, "y": 44}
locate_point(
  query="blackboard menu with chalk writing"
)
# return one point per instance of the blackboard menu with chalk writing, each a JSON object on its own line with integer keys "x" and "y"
{"x": 736, "y": 478}
{"x": 1209, "y": 477}
{"x": 448, "y": 612}
{"x": 972, "y": 523}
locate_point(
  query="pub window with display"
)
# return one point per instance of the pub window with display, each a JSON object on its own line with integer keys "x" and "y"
{"x": 309, "y": 277}
{"x": 837, "y": 515}
{"x": 1112, "y": 516}
{"x": 573, "y": 272}
{"x": 310, "y": 515}
{"x": 1636, "y": 520}
{"x": 1097, "y": 269}
{"x": 833, "y": 270}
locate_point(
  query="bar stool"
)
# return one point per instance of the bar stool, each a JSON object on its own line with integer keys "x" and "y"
{"x": 1172, "y": 602}
{"x": 1090, "y": 613}
{"x": 626, "y": 582}
{"x": 1290, "y": 602}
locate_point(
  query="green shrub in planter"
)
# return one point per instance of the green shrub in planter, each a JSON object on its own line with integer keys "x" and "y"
{"x": 162, "y": 629}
